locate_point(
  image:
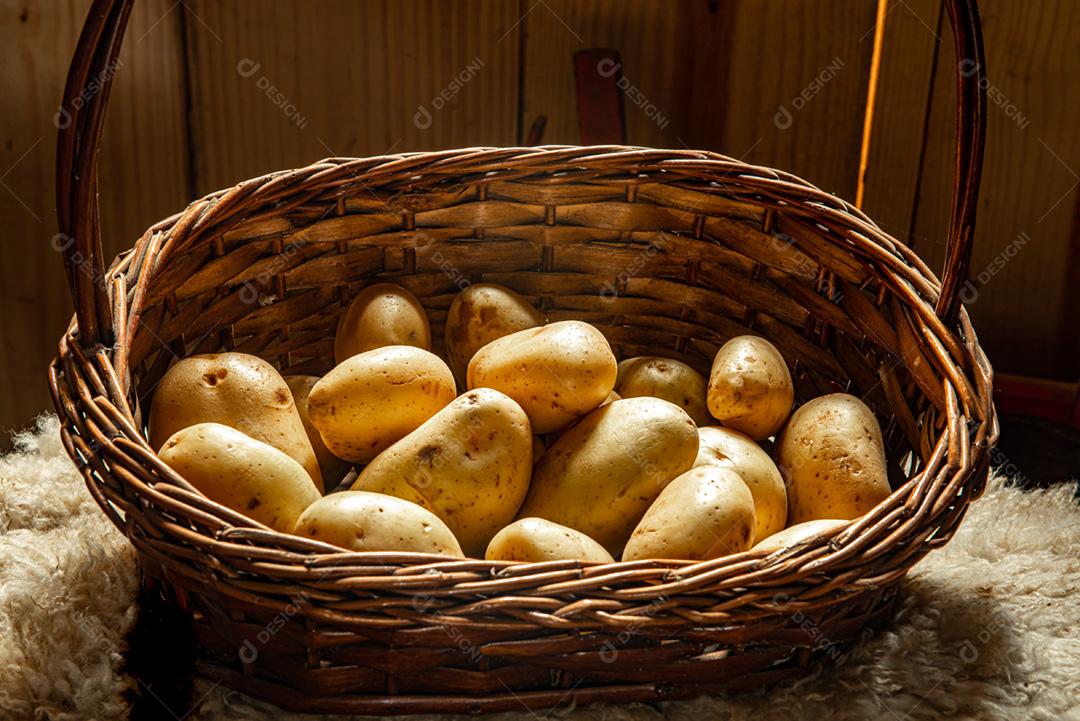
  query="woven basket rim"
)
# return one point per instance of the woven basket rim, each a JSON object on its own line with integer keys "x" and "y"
{"x": 825, "y": 558}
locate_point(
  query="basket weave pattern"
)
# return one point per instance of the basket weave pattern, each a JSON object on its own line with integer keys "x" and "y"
{"x": 668, "y": 253}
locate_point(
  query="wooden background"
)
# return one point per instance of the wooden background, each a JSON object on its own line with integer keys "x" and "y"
{"x": 214, "y": 91}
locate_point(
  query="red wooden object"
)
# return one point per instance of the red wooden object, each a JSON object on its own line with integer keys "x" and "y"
{"x": 601, "y": 120}
{"x": 1057, "y": 401}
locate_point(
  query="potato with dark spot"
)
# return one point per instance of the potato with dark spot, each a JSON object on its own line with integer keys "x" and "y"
{"x": 672, "y": 380}
{"x": 556, "y": 373}
{"x": 750, "y": 387}
{"x": 832, "y": 458}
{"x": 376, "y": 398}
{"x": 241, "y": 473}
{"x": 238, "y": 390}
{"x": 534, "y": 540}
{"x": 333, "y": 468}
{"x": 799, "y": 533}
{"x": 726, "y": 448}
{"x": 469, "y": 465}
{"x": 600, "y": 476}
{"x": 382, "y": 314}
{"x": 481, "y": 313}
{"x": 705, "y": 513}
{"x": 360, "y": 521}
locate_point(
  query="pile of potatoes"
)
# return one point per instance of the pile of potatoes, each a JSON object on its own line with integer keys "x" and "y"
{"x": 554, "y": 450}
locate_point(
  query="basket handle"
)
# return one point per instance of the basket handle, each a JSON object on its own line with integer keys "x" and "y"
{"x": 86, "y": 96}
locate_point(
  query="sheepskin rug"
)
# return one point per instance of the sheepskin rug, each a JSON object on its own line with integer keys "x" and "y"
{"x": 989, "y": 626}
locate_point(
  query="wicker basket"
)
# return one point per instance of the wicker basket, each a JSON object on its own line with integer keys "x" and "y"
{"x": 667, "y": 252}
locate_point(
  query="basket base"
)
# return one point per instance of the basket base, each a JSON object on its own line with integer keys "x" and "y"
{"x": 573, "y": 694}
{"x": 383, "y": 685}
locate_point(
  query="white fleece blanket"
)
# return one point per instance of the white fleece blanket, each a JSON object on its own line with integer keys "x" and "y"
{"x": 989, "y": 626}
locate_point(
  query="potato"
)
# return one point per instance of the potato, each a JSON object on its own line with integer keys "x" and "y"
{"x": 556, "y": 373}
{"x": 469, "y": 465}
{"x": 705, "y": 513}
{"x": 800, "y": 532}
{"x": 832, "y": 458}
{"x": 534, "y": 540}
{"x": 601, "y": 475}
{"x": 376, "y": 398}
{"x": 238, "y": 390}
{"x": 333, "y": 468}
{"x": 665, "y": 378}
{"x": 382, "y": 314}
{"x": 237, "y": 471}
{"x": 480, "y": 314}
{"x": 730, "y": 449}
{"x": 361, "y": 521}
{"x": 750, "y": 387}
{"x": 550, "y": 438}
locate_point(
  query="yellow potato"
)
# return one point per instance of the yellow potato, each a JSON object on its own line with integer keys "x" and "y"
{"x": 705, "y": 513}
{"x": 360, "y": 521}
{"x": 601, "y": 475}
{"x": 238, "y": 390}
{"x": 535, "y": 540}
{"x": 333, "y": 468}
{"x": 550, "y": 438}
{"x": 665, "y": 378}
{"x": 800, "y": 532}
{"x": 556, "y": 373}
{"x": 832, "y": 458}
{"x": 241, "y": 473}
{"x": 730, "y": 449}
{"x": 382, "y": 314}
{"x": 480, "y": 314}
{"x": 469, "y": 465}
{"x": 750, "y": 387}
{"x": 378, "y": 397}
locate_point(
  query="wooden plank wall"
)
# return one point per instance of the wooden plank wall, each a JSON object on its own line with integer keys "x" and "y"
{"x": 1021, "y": 300}
{"x": 214, "y": 91}
{"x": 718, "y": 74}
{"x": 282, "y": 84}
{"x": 143, "y": 175}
